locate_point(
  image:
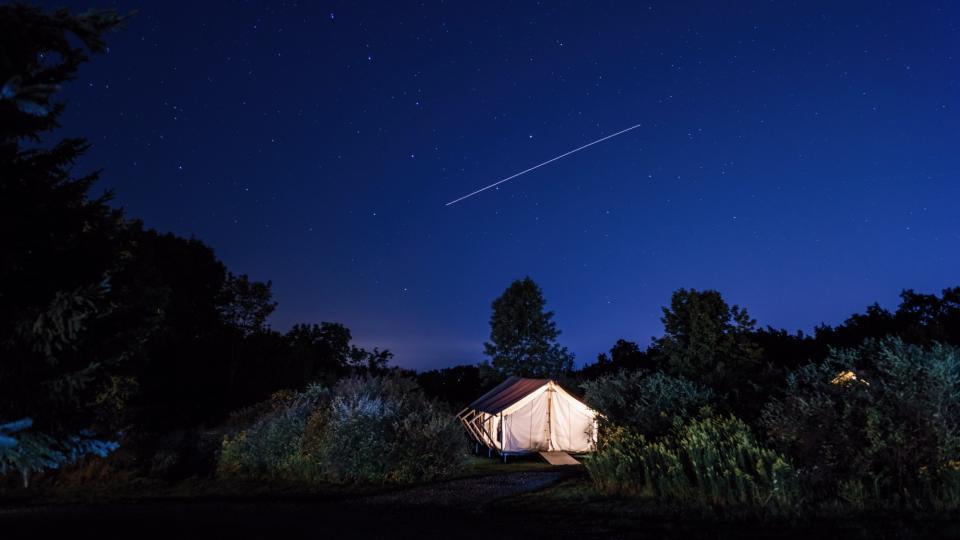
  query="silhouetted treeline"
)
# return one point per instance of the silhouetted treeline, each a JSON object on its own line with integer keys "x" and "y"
{"x": 210, "y": 350}
{"x": 458, "y": 385}
{"x": 757, "y": 358}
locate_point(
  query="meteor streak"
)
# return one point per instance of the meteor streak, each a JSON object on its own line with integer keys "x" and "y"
{"x": 495, "y": 184}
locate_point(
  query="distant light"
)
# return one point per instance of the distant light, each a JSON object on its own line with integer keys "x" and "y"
{"x": 847, "y": 376}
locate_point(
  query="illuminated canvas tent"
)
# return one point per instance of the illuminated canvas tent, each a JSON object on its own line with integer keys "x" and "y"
{"x": 522, "y": 416}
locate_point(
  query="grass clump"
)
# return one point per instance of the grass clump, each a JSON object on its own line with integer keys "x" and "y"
{"x": 712, "y": 461}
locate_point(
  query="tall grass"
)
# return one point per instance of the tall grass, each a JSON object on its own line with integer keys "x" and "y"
{"x": 712, "y": 461}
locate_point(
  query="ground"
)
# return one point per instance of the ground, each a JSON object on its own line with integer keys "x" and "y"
{"x": 522, "y": 500}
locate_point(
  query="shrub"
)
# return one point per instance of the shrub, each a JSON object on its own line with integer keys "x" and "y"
{"x": 646, "y": 402}
{"x": 366, "y": 429}
{"x": 384, "y": 430}
{"x": 711, "y": 461}
{"x": 271, "y": 447}
{"x": 888, "y": 438}
{"x": 358, "y": 437}
{"x": 816, "y": 423}
{"x": 246, "y": 416}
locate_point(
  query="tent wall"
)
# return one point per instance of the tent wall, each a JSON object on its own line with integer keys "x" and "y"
{"x": 572, "y": 424}
{"x": 546, "y": 418}
{"x": 525, "y": 428}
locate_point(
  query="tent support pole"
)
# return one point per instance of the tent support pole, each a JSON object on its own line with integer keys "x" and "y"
{"x": 549, "y": 427}
{"x": 491, "y": 442}
{"x": 468, "y": 421}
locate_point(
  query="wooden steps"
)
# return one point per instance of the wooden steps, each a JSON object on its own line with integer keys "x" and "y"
{"x": 558, "y": 458}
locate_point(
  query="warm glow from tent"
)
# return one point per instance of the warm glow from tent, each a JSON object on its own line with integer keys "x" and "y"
{"x": 847, "y": 376}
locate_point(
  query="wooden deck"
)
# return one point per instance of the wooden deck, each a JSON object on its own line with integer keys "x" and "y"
{"x": 558, "y": 458}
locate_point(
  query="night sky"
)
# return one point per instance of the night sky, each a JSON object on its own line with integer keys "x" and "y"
{"x": 802, "y": 158}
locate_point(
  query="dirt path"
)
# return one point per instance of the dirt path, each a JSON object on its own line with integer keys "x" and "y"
{"x": 468, "y": 492}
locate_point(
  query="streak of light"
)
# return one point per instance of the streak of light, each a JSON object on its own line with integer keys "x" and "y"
{"x": 511, "y": 177}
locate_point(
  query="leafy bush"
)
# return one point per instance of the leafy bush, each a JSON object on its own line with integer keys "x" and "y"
{"x": 366, "y": 429}
{"x": 383, "y": 430}
{"x": 246, "y": 416}
{"x": 713, "y": 461}
{"x": 271, "y": 447}
{"x": 646, "y": 402}
{"x": 818, "y": 425}
{"x": 887, "y": 438}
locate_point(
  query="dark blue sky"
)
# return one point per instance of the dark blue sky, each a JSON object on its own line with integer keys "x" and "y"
{"x": 800, "y": 157}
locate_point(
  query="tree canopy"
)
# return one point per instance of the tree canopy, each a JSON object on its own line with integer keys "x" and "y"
{"x": 61, "y": 245}
{"x": 705, "y": 339}
{"x": 523, "y": 335}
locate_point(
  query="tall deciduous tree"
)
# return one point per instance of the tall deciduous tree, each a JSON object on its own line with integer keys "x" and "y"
{"x": 706, "y": 340}
{"x": 317, "y": 352}
{"x": 523, "y": 335}
{"x": 324, "y": 353}
{"x": 246, "y": 304}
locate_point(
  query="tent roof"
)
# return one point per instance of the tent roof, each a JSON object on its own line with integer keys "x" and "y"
{"x": 506, "y": 393}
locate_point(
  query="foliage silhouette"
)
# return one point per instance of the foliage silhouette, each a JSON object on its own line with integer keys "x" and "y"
{"x": 523, "y": 335}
